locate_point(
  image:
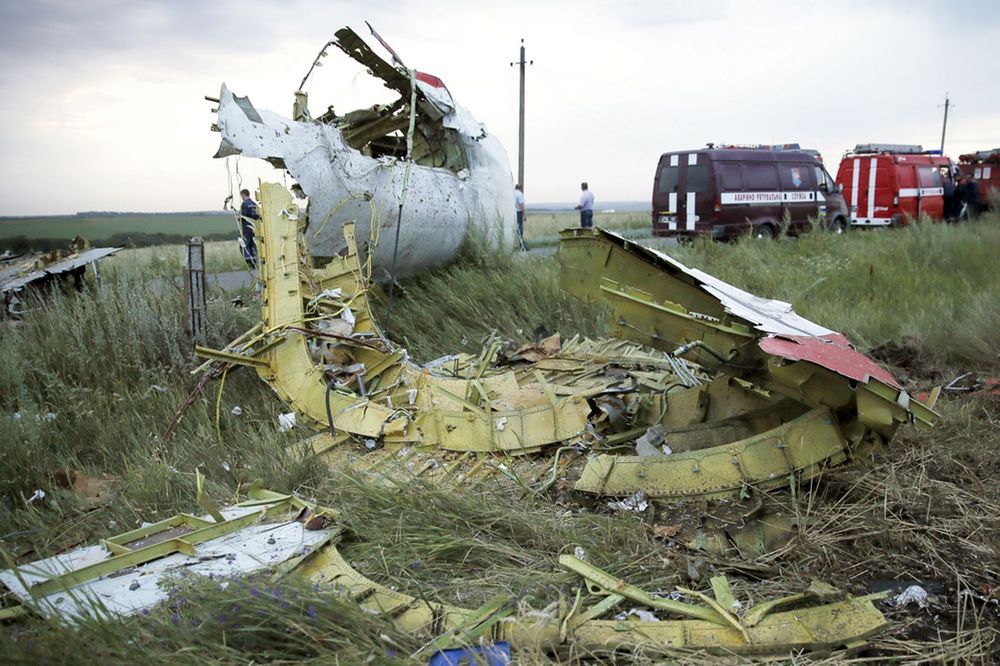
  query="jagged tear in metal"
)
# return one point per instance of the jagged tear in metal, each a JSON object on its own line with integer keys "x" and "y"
{"x": 754, "y": 412}
{"x": 457, "y": 188}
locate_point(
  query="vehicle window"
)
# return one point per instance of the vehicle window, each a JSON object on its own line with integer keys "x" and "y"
{"x": 928, "y": 177}
{"x": 795, "y": 177}
{"x": 697, "y": 178}
{"x": 760, "y": 177}
{"x": 823, "y": 178}
{"x": 669, "y": 178}
{"x": 730, "y": 176}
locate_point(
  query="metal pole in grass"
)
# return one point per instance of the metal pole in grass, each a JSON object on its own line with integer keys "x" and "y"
{"x": 194, "y": 288}
{"x": 402, "y": 197}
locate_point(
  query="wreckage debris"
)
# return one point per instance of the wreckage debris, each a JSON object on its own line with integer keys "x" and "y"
{"x": 421, "y": 167}
{"x": 21, "y": 273}
{"x": 765, "y": 400}
{"x": 281, "y": 535}
{"x": 768, "y": 398}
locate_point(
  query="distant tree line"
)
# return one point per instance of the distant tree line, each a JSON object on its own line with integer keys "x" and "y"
{"x": 22, "y": 244}
{"x": 121, "y": 213}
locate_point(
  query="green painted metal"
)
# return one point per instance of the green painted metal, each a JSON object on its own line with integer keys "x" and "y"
{"x": 803, "y": 446}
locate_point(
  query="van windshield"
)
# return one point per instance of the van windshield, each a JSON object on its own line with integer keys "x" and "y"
{"x": 669, "y": 177}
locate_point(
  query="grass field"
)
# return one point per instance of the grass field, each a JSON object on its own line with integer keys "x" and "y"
{"x": 112, "y": 366}
{"x": 96, "y": 227}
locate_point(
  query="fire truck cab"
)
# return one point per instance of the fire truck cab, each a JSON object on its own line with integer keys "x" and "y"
{"x": 984, "y": 167}
{"x": 889, "y": 184}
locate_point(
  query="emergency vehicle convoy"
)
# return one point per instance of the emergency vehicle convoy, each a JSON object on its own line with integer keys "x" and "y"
{"x": 984, "y": 167}
{"x": 723, "y": 192}
{"x": 887, "y": 184}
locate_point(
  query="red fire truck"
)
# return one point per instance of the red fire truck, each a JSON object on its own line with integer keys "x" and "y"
{"x": 984, "y": 167}
{"x": 889, "y": 184}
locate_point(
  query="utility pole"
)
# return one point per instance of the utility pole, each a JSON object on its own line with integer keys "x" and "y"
{"x": 944, "y": 126}
{"x": 520, "y": 126}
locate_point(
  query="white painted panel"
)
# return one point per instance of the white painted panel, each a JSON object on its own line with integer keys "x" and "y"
{"x": 872, "y": 166}
{"x": 854, "y": 184}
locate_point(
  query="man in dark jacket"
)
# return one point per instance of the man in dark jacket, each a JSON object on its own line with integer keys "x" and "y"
{"x": 248, "y": 213}
{"x": 949, "y": 196}
{"x": 967, "y": 195}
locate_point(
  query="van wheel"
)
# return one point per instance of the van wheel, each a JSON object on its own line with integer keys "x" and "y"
{"x": 764, "y": 232}
{"x": 839, "y": 226}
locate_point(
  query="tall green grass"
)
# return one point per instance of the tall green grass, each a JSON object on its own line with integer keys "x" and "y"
{"x": 112, "y": 366}
{"x": 934, "y": 286}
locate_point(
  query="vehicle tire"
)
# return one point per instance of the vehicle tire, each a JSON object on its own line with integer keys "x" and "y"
{"x": 839, "y": 226}
{"x": 764, "y": 232}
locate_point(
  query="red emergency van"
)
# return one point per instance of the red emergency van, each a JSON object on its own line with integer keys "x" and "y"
{"x": 984, "y": 167}
{"x": 889, "y": 184}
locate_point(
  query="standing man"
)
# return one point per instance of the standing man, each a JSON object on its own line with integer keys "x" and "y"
{"x": 586, "y": 207}
{"x": 248, "y": 213}
{"x": 949, "y": 194}
{"x": 521, "y": 213}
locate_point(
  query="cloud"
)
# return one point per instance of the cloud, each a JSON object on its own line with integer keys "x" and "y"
{"x": 103, "y": 107}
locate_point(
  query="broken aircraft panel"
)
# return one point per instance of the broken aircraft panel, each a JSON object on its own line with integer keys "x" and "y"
{"x": 22, "y": 272}
{"x": 279, "y": 535}
{"x": 686, "y": 312}
{"x": 451, "y": 182}
{"x": 763, "y": 421}
{"x": 127, "y": 573}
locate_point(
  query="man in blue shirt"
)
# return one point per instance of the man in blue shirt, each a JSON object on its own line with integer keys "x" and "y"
{"x": 586, "y": 206}
{"x": 248, "y": 213}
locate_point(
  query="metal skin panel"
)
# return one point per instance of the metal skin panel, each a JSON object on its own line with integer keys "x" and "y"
{"x": 441, "y": 410}
{"x": 443, "y": 208}
{"x": 819, "y": 627}
{"x": 655, "y": 304}
{"x": 833, "y": 352}
{"x": 801, "y": 448}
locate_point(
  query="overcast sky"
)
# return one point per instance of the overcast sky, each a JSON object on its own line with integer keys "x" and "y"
{"x": 102, "y": 101}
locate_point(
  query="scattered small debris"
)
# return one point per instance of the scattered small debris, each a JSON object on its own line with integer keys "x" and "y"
{"x": 912, "y": 594}
{"x": 636, "y": 502}
{"x": 286, "y": 421}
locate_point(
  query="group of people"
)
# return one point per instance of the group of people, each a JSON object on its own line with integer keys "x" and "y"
{"x": 586, "y": 208}
{"x": 961, "y": 197}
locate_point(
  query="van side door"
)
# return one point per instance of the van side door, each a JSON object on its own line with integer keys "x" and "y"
{"x": 798, "y": 194}
{"x": 931, "y": 198}
{"x": 763, "y": 194}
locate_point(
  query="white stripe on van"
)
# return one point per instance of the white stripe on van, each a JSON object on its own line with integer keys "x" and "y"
{"x": 854, "y": 184}
{"x": 690, "y": 211}
{"x": 693, "y": 159}
{"x": 673, "y": 160}
{"x": 872, "y": 166}
{"x": 672, "y": 204}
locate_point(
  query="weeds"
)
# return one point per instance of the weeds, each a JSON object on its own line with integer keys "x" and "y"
{"x": 111, "y": 367}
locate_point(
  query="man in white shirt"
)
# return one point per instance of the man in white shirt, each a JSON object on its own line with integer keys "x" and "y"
{"x": 586, "y": 207}
{"x": 521, "y": 212}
